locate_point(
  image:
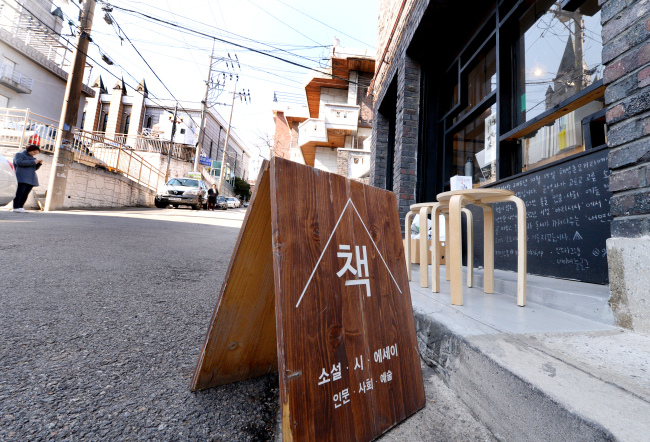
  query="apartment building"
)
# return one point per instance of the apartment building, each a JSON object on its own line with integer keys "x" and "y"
{"x": 331, "y": 129}
{"x": 34, "y": 59}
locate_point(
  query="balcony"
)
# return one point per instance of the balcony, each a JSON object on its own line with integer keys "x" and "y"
{"x": 312, "y": 131}
{"x": 15, "y": 80}
{"x": 341, "y": 117}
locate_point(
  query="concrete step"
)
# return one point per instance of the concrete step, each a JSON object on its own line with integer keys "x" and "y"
{"x": 586, "y": 300}
{"x": 537, "y": 373}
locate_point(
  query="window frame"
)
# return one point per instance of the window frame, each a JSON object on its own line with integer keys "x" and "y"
{"x": 505, "y": 36}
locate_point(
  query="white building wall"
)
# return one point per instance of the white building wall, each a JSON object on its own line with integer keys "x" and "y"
{"x": 331, "y": 95}
{"x": 325, "y": 159}
{"x": 48, "y": 89}
{"x": 49, "y": 78}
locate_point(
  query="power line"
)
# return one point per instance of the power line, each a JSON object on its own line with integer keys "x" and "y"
{"x": 232, "y": 34}
{"x": 235, "y": 44}
{"x": 151, "y": 69}
{"x": 284, "y": 23}
{"x": 154, "y": 99}
{"x": 325, "y": 24}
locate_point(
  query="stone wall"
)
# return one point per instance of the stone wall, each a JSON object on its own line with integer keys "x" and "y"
{"x": 342, "y": 162}
{"x": 89, "y": 187}
{"x": 626, "y": 55}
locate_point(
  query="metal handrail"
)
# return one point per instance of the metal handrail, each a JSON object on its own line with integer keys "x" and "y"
{"x": 18, "y": 127}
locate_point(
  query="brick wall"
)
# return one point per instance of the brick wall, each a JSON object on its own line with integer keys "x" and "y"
{"x": 407, "y": 23}
{"x": 626, "y": 54}
{"x": 378, "y": 150}
{"x": 406, "y": 134}
{"x": 282, "y": 137}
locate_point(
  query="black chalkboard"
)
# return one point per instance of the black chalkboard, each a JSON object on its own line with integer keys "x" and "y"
{"x": 568, "y": 221}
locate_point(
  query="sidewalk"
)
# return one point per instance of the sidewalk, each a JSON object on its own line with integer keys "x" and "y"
{"x": 536, "y": 372}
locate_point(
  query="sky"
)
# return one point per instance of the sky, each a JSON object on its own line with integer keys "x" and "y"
{"x": 289, "y": 29}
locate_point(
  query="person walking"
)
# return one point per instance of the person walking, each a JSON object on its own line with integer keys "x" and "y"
{"x": 212, "y": 197}
{"x": 26, "y": 166}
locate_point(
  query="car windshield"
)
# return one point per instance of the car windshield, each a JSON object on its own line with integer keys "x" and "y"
{"x": 232, "y": 199}
{"x": 187, "y": 182}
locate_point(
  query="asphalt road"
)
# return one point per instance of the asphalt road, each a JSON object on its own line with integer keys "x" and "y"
{"x": 102, "y": 316}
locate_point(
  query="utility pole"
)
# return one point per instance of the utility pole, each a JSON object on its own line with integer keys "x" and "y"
{"x": 171, "y": 143}
{"x": 204, "y": 111}
{"x": 63, "y": 154}
{"x": 225, "y": 148}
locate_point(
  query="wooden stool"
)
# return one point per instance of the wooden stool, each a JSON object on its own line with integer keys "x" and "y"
{"x": 457, "y": 199}
{"x": 443, "y": 209}
{"x": 439, "y": 208}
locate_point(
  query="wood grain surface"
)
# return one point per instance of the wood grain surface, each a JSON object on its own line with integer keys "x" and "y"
{"x": 241, "y": 342}
{"x": 322, "y": 322}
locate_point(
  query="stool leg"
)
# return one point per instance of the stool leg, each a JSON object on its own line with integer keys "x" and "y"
{"x": 407, "y": 242}
{"x": 455, "y": 249}
{"x": 469, "y": 218}
{"x": 488, "y": 248}
{"x": 424, "y": 242}
{"x": 435, "y": 253}
{"x": 447, "y": 273}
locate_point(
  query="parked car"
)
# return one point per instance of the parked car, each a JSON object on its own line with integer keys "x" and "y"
{"x": 183, "y": 192}
{"x": 233, "y": 202}
{"x": 221, "y": 203}
{"x": 8, "y": 183}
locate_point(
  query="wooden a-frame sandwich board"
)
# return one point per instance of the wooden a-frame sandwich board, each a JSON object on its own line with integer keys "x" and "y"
{"x": 317, "y": 289}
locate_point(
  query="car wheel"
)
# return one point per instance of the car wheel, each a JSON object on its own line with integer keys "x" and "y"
{"x": 159, "y": 204}
{"x": 205, "y": 206}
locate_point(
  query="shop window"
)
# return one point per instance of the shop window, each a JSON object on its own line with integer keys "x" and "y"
{"x": 450, "y": 90}
{"x": 479, "y": 81}
{"x": 559, "y": 54}
{"x": 563, "y": 137}
{"x": 474, "y": 148}
{"x": 216, "y": 169}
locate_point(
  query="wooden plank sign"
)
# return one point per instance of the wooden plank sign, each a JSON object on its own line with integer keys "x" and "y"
{"x": 333, "y": 265}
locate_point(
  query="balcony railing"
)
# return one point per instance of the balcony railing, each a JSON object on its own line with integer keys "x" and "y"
{"x": 341, "y": 117}
{"x": 312, "y": 131}
{"x": 148, "y": 142}
{"x": 15, "y": 80}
